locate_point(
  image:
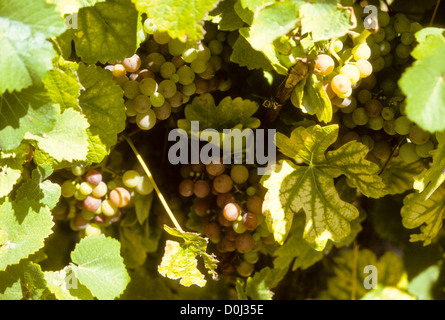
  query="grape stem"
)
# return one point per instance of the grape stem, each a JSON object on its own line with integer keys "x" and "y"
{"x": 434, "y": 13}
{"x": 155, "y": 186}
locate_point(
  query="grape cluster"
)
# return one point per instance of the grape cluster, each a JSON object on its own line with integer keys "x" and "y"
{"x": 95, "y": 204}
{"x": 165, "y": 72}
{"x": 362, "y": 85}
{"x": 228, "y": 201}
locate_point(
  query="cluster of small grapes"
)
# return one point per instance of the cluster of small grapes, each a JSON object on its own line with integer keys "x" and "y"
{"x": 95, "y": 204}
{"x": 165, "y": 73}
{"x": 376, "y": 113}
{"x": 228, "y": 199}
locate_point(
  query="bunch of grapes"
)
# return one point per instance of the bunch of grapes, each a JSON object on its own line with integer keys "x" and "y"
{"x": 95, "y": 204}
{"x": 228, "y": 200}
{"x": 165, "y": 72}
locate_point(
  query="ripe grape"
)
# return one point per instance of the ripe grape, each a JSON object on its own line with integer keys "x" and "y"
{"x": 92, "y": 203}
{"x": 85, "y": 188}
{"x": 148, "y": 86}
{"x": 423, "y": 150}
{"x": 108, "y": 208}
{"x": 186, "y": 75}
{"x": 373, "y": 108}
{"x": 120, "y": 197}
{"x": 352, "y": 72}
{"x": 239, "y": 173}
{"x": 186, "y": 188}
{"x": 244, "y": 242}
{"x": 189, "y": 89}
{"x": 201, "y": 206}
{"x": 245, "y": 269}
{"x": 255, "y": 204}
{"x": 93, "y": 229}
{"x": 388, "y": 113}
{"x": 141, "y": 103}
{"x": 149, "y": 26}
{"x": 68, "y": 188}
{"x": 402, "y": 125}
{"x": 100, "y": 190}
{"x": 118, "y": 71}
{"x": 250, "y": 221}
{"x": 324, "y": 64}
{"x": 376, "y": 123}
{"x": 163, "y": 112}
{"x": 212, "y": 230}
{"x": 131, "y": 178}
{"x": 189, "y": 55}
{"x": 199, "y": 65}
{"x": 132, "y": 64}
{"x": 407, "y": 152}
{"x": 365, "y": 68}
{"x": 361, "y": 51}
{"x": 417, "y": 135}
{"x": 388, "y": 127}
{"x": 382, "y": 150}
{"x": 201, "y": 188}
{"x": 341, "y": 84}
{"x": 131, "y": 89}
{"x": 359, "y": 116}
{"x": 223, "y": 183}
{"x": 231, "y": 211}
{"x": 154, "y": 61}
{"x": 167, "y": 88}
{"x": 223, "y": 199}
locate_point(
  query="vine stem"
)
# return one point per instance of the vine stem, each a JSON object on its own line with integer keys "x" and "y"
{"x": 155, "y": 186}
{"x": 434, "y": 13}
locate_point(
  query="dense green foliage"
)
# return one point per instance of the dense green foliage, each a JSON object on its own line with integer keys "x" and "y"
{"x": 97, "y": 202}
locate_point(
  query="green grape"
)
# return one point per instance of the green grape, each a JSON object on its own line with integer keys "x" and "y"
{"x": 176, "y": 100}
{"x": 100, "y": 190}
{"x": 149, "y": 26}
{"x": 378, "y": 64}
{"x": 239, "y": 173}
{"x": 388, "y": 113}
{"x": 348, "y": 122}
{"x": 352, "y": 72}
{"x": 388, "y": 86}
{"x": 79, "y": 195}
{"x": 375, "y": 51}
{"x": 203, "y": 53}
{"x": 141, "y": 103}
{"x": 251, "y": 257}
{"x": 238, "y": 227}
{"x": 365, "y": 67}
{"x": 129, "y": 108}
{"x": 341, "y": 85}
{"x": 407, "y": 152}
{"x": 376, "y": 123}
{"x": 87, "y": 215}
{"x": 337, "y": 46}
{"x": 131, "y": 89}
{"x": 68, "y": 188}
{"x": 361, "y": 52}
{"x": 352, "y": 104}
{"x": 417, "y": 135}
{"x": 403, "y": 51}
{"x": 368, "y": 141}
{"x": 423, "y": 150}
{"x": 131, "y": 178}
{"x": 147, "y": 120}
{"x": 154, "y": 61}
{"x": 109, "y": 209}
{"x": 163, "y": 112}
{"x": 389, "y": 127}
{"x": 157, "y": 99}
{"x": 407, "y": 38}
{"x": 385, "y": 48}
{"x": 402, "y": 125}
{"x": 373, "y": 108}
{"x": 217, "y": 62}
{"x": 359, "y": 116}
{"x": 92, "y": 230}
{"x": 167, "y": 88}
{"x": 167, "y": 69}
{"x": 363, "y": 96}
{"x": 176, "y": 46}
{"x": 251, "y": 191}
{"x": 144, "y": 187}
{"x": 379, "y": 36}
{"x": 324, "y": 64}
{"x": 198, "y": 65}
{"x": 245, "y": 269}
{"x": 119, "y": 70}
{"x": 401, "y": 23}
{"x": 368, "y": 83}
{"x": 85, "y": 188}
{"x": 382, "y": 150}
{"x": 390, "y": 33}
{"x": 383, "y": 18}
{"x": 174, "y": 78}
{"x": 215, "y": 47}
{"x": 161, "y": 37}
{"x": 186, "y": 75}
{"x": 189, "y": 89}
{"x": 414, "y": 27}
{"x": 189, "y": 55}
{"x": 388, "y": 60}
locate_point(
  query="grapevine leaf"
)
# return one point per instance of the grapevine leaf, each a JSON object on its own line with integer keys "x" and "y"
{"x": 142, "y": 206}
{"x": 106, "y": 32}
{"x": 179, "y": 260}
{"x": 22, "y": 281}
{"x": 228, "y": 114}
{"x": 64, "y": 285}
{"x": 182, "y": 20}
{"x": 315, "y": 100}
{"x": 429, "y": 39}
{"x": 350, "y": 160}
{"x": 26, "y": 54}
{"x": 102, "y": 104}
{"x": 429, "y": 180}
{"x": 258, "y": 287}
{"x": 229, "y": 19}
{"x": 387, "y": 293}
{"x": 247, "y": 8}
{"x": 422, "y": 285}
{"x": 22, "y": 112}
{"x": 426, "y": 214}
{"x": 246, "y": 56}
{"x": 69, "y": 126}
{"x": 271, "y": 21}
{"x": 11, "y": 167}
{"x": 399, "y": 176}
{"x": 98, "y": 265}
{"x": 324, "y": 19}
{"x": 424, "y": 86}
{"x": 63, "y": 88}
{"x": 24, "y": 229}
{"x": 72, "y": 6}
